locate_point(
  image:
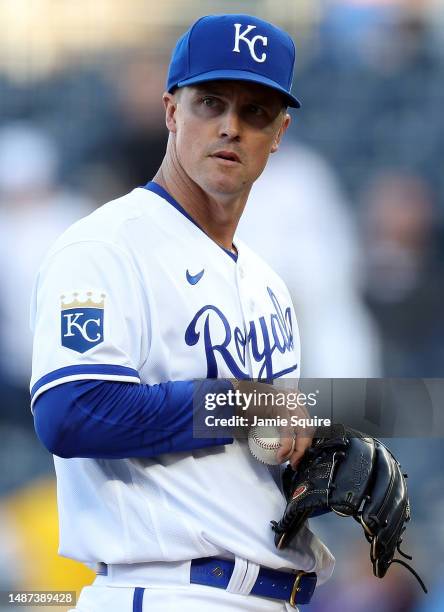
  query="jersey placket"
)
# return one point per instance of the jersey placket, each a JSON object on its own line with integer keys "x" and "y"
{"x": 247, "y": 306}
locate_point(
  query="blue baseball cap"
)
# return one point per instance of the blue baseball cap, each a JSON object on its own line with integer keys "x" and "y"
{"x": 234, "y": 47}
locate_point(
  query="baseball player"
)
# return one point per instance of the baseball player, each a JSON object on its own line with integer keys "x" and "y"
{"x": 149, "y": 293}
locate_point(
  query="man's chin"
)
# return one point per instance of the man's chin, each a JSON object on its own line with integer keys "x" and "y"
{"x": 225, "y": 187}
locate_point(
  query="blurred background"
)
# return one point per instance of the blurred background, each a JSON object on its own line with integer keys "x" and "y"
{"x": 349, "y": 211}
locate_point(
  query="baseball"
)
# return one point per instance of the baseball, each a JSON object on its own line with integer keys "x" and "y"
{"x": 264, "y": 442}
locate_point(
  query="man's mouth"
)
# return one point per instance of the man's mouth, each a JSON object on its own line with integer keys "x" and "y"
{"x": 227, "y": 155}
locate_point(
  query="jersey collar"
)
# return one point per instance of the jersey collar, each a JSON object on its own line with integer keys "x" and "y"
{"x": 163, "y": 193}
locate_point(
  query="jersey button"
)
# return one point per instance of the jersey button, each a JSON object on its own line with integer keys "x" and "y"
{"x": 252, "y": 305}
{"x": 241, "y": 272}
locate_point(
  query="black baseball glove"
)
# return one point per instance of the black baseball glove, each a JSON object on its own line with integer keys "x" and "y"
{"x": 355, "y": 475}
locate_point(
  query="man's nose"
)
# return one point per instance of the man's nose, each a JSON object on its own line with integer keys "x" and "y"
{"x": 230, "y": 124}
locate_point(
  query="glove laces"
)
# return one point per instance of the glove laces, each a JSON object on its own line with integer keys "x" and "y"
{"x": 371, "y": 538}
{"x": 411, "y": 570}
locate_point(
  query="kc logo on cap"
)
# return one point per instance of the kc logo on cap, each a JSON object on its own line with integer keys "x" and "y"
{"x": 234, "y": 48}
{"x": 250, "y": 42}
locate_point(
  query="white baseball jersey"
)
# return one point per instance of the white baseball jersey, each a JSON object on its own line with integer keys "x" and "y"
{"x": 138, "y": 292}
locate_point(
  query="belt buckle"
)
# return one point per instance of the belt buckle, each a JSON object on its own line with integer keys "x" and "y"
{"x": 296, "y": 587}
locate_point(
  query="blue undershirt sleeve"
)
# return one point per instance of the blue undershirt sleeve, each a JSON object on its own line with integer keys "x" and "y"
{"x": 115, "y": 420}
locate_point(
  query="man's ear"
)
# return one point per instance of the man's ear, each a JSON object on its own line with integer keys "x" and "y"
{"x": 170, "y": 104}
{"x": 284, "y": 126}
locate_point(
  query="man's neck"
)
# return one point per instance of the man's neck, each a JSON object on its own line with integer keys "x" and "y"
{"x": 218, "y": 216}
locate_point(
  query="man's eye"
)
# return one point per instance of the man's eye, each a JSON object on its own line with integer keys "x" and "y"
{"x": 256, "y": 110}
{"x": 209, "y": 101}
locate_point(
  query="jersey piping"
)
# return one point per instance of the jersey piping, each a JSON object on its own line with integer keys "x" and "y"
{"x": 83, "y": 372}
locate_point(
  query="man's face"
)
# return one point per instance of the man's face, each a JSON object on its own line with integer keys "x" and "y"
{"x": 224, "y": 132}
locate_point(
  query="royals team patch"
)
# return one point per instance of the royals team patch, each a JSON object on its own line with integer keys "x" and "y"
{"x": 82, "y": 321}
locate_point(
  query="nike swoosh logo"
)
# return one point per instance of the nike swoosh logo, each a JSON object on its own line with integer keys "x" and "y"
{"x": 193, "y": 279}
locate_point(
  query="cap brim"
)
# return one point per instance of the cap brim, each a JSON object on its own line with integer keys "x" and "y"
{"x": 240, "y": 75}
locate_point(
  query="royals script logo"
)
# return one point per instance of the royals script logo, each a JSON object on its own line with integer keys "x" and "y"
{"x": 262, "y": 339}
